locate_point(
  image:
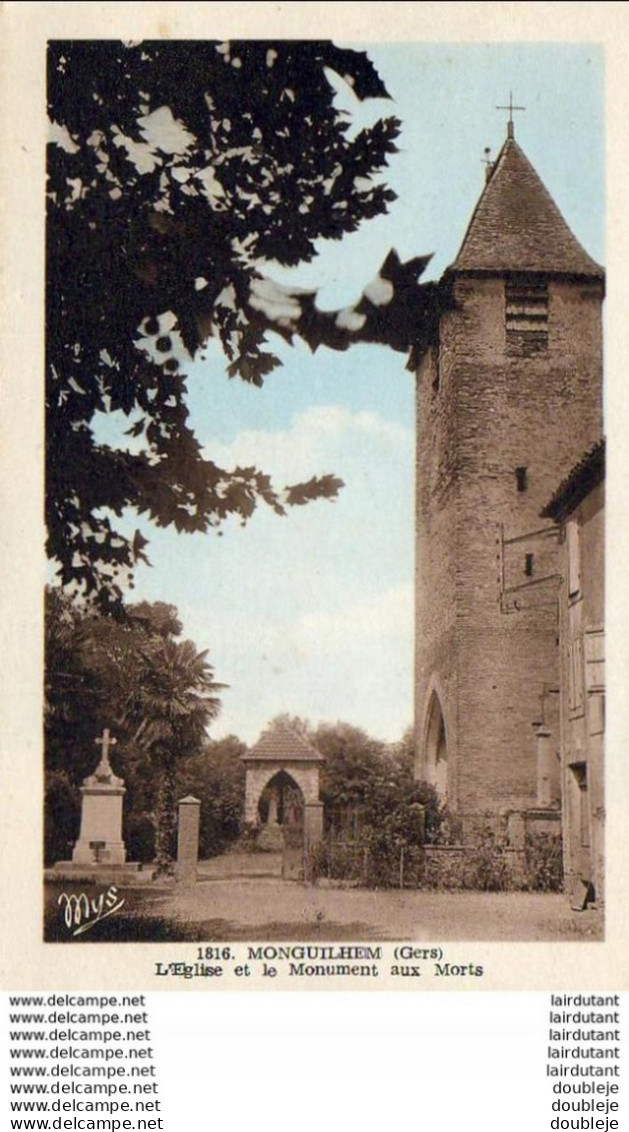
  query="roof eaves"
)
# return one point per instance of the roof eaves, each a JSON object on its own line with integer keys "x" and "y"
{"x": 580, "y": 481}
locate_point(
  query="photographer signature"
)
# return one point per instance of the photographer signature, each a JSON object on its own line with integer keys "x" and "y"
{"x": 81, "y": 912}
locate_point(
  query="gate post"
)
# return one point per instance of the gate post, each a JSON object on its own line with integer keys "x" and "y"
{"x": 187, "y": 840}
{"x": 313, "y": 834}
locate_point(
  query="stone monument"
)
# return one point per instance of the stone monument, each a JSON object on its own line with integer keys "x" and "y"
{"x": 100, "y": 840}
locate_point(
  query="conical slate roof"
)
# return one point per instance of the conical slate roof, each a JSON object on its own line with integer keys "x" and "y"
{"x": 279, "y": 743}
{"x": 516, "y": 225}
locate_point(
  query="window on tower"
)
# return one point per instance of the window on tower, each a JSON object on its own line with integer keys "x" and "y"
{"x": 526, "y": 316}
{"x": 574, "y": 559}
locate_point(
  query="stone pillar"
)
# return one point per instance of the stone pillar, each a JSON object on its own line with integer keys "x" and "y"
{"x": 100, "y": 839}
{"x": 187, "y": 840}
{"x": 313, "y": 823}
{"x": 545, "y": 768}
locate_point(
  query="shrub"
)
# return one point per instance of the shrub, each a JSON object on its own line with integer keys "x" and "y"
{"x": 62, "y": 815}
{"x": 448, "y": 870}
{"x": 483, "y": 864}
{"x": 140, "y": 838}
{"x": 544, "y": 863}
{"x": 217, "y": 778}
{"x": 490, "y": 869}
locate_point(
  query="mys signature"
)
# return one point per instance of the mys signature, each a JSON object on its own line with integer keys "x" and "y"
{"x": 81, "y": 913}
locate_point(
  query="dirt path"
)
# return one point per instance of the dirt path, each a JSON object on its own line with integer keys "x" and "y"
{"x": 265, "y": 907}
{"x": 230, "y": 865}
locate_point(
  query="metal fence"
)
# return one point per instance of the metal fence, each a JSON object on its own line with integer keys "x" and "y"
{"x": 484, "y": 866}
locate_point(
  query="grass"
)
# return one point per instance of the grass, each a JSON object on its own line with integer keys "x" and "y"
{"x": 132, "y": 924}
{"x": 276, "y": 910}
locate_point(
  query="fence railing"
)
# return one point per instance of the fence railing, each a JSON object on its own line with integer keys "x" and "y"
{"x": 485, "y": 866}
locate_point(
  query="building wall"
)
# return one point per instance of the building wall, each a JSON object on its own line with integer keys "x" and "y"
{"x": 486, "y": 405}
{"x": 436, "y": 557}
{"x": 582, "y": 651}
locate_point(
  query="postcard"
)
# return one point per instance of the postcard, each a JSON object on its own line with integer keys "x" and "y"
{"x": 313, "y": 367}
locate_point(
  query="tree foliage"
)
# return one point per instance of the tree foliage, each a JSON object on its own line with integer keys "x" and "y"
{"x": 216, "y": 777}
{"x": 156, "y": 693}
{"x": 353, "y": 760}
{"x": 369, "y": 790}
{"x": 177, "y": 173}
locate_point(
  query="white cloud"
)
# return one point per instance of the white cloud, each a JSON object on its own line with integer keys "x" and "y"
{"x": 353, "y": 664}
{"x": 321, "y": 439}
{"x": 275, "y": 301}
{"x": 349, "y": 319}
{"x": 366, "y": 623}
{"x": 310, "y": 614}
{"x": 379, "y": 291}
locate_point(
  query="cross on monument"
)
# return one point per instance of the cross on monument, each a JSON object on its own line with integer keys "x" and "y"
{"x": 105, "y": 741}
{"x": 510, "y": 108}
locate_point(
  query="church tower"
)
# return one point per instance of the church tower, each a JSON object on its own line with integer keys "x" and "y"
{"x": 509, "y": 397}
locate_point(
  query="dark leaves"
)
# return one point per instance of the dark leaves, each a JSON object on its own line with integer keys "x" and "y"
{"x": 319, "y": 487}
{"x": 137, "y": 548}
{"x": 357, "y": 70}
{"x": 180, "y": 165}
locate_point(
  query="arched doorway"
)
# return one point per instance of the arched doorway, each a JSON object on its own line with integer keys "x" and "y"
{"x": 281, "y": 812}
{"x": 436, "y": 748}
{"x": 282, "y": 805}
{"x": 282, "y": 802}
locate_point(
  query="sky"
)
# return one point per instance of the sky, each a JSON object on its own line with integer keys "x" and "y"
{"x": 312, "y": 614}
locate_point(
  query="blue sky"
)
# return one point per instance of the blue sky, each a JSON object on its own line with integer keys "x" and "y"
{"x": 313, "y": 614}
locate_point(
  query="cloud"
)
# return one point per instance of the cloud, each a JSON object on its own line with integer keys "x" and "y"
{"x": 354, "y": 663}
{"x": 312, "y": 613}
{"x": 327, "y": 437}
{"x": 276, "y": 302}
{"x": 349, "y": 319}
{"x": 364, "y": 623}
{"x": 379, "y": 291}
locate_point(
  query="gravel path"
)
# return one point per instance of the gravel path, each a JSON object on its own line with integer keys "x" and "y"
{"x": 266, "y": 907}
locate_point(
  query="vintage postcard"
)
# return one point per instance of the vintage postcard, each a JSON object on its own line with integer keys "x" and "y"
{"x": 316, "y": 669}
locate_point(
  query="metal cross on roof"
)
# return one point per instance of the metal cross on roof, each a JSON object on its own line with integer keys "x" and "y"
{"x": 510, "y": 108}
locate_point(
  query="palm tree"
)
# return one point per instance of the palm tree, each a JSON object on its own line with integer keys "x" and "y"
{"x": 177, "y": 701}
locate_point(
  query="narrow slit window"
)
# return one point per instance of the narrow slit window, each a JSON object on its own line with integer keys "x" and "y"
{"x": 584, "y": 811}
{"x": 529, "y": 565}
{"x": 521, "y": 479}
{"x": 436, "y": 375}
{"x": 574, "y": 559}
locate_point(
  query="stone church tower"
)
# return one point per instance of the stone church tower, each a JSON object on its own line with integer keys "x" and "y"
{"x": 508, "y": 400}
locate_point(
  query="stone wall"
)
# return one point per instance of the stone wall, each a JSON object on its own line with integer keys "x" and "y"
{"x": 484, "y": 411}
{"x": 583, "y": 699}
